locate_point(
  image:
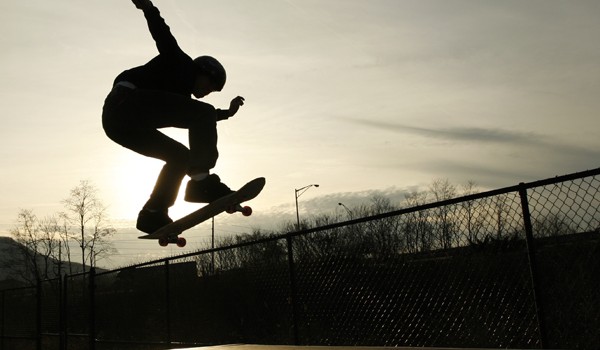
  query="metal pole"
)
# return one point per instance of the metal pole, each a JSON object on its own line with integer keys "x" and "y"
{"x": 533, "y": 268}
{"x": 3, "y": 320}
{"x": 61, "y": 312}
{"x": 347, "y": 210}
{"x": 38, "y": 316}
{"x": 293, "y": 291}
{"x": 296, "y": 195}
{"x": 168, "y": 302}
{"x": 297, "y": 212}
{"x": 65, "y": 313}
{"x": 212, "y": 265}
{"x": 92, "y": 308}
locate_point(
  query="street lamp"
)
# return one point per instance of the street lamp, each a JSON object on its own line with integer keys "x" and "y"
{"x": 348, "y": 210}
{"x": 298, "y": 192}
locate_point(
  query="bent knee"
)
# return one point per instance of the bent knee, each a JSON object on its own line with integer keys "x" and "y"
{"x": 177, "y": 155}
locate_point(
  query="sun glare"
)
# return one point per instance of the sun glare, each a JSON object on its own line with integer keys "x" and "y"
{"x": 135, "y": 175}
{"x": 134, "y": 179}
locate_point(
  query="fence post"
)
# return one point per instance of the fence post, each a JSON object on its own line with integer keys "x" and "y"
{"x": 168, "y": 302}
{"x": 65, "y": 311}
{"x": 293, "y": 290}
{"x": 533, "y": 267}
{"x": 92, "y": 308}
{"x": 38, "y": 314}
{"x": 61, "y": 312}
{"x": 2, "y": 320}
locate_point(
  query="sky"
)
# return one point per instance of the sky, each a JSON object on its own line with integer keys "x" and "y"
{"x": 360, "y": 97}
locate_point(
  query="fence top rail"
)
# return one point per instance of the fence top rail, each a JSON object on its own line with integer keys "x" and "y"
{"x": 452, "y": 201}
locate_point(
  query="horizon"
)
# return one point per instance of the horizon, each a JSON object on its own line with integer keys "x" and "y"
{"x": 131, "y": 251}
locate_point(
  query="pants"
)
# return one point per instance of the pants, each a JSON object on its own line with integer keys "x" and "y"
{"x": 132, "y": 117}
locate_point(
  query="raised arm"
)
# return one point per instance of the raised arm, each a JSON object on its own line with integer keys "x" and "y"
{"x": 142, "y": 4}
{"x": 160, "y": 31}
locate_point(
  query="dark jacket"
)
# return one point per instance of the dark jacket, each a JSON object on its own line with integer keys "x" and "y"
{"x": 172, "y": 70}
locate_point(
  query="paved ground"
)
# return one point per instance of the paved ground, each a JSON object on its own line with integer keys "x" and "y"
{"x": 292, "y": 347}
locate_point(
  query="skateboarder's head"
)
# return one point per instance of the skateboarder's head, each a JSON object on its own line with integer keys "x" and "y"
{"x": 211, "y": 70}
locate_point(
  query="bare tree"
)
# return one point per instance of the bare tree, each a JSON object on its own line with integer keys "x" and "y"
{"x": 86, "y": 212}
{"x": 473, "y": 216}
{"x": 65, "y": 253}
{"x": 97, "y": 242}
{"x": 552, "y": 225}
{"x": 501, "y": 208}
{"x": 383, "y": 236}
{"x": 417, "y": 228}
{"x": 26, "y": 235}
{"x": 39, "y": 245}
{"x": 443, "y": 190}
{"x": 49, "y": 248}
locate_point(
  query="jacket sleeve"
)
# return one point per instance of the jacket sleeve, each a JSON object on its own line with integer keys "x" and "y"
{"x": 161, "y": 33}
{"x": 222, "y": 114}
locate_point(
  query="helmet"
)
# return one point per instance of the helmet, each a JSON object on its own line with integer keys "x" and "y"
{"x": 213, "y": 69}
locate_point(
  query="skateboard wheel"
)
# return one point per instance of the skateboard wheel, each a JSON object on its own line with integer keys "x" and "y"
{"x": 246, "y": 211}
{"x": 181, "y": 242}
{"x": 163, "y": 242}
{"x": 231, "y": 210}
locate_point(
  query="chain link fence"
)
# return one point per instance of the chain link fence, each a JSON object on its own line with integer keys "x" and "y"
{"x": 511, "y": 268}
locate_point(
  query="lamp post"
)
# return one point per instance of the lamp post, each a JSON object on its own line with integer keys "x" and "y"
{"x": 347, "y": 210}
{"x": 298, "y": 192}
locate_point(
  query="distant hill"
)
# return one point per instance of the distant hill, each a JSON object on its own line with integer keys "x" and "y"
{"x": 13, "y": 270}
{"x": 11, "y": 263}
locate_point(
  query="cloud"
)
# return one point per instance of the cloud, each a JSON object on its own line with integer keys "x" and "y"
{"x": 487, "y": 135}
{"x": 456, "y": 133}
{"x": 491, "y": 156}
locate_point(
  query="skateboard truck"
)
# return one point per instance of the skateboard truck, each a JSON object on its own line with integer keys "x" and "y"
{"x": 180, "y": 241}
{"x": 246, "y": 210}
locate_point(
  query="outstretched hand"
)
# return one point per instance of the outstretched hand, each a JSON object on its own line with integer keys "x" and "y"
{"x": 142, "y": 4}
{"x": 235, "y": 105}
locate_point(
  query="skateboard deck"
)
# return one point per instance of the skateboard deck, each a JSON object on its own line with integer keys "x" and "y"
{"x": 230, "y": 203}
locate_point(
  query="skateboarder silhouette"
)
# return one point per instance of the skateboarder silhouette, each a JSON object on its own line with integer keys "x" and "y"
{"x": 157, "y": 95}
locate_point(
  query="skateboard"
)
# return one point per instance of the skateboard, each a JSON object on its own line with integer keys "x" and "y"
{"x": 229, "y": 203}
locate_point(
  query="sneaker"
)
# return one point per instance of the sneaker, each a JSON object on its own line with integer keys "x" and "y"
{"x": 207, "y": 190}
{"x": 150, "y": 221}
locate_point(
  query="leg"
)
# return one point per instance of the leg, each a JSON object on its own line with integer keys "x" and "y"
{"x": 203, "y": 145}
{"x": 153, "y": 143}
{"x": 131, "y": 118}
{"x": 162, "y": 109}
